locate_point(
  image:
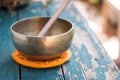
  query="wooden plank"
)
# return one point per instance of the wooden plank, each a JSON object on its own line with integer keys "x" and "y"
{"x": 37, "y": 9}
{"x": 94, "y": 60}
{"x": 41, "y": 74}
{"x": 88, "y": 53}
{"x": 8, "y": 68}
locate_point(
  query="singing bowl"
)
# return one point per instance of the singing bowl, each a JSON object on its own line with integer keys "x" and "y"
{"x": 57, "y": 40}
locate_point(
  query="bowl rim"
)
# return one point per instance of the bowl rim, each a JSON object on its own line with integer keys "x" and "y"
{"x": 11, "y": 28}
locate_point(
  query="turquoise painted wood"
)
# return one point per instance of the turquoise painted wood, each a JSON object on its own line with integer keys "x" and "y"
{"x": 9, "y": 70}
{"x": 89, "y": 59}
{"x": 88, "y": 53}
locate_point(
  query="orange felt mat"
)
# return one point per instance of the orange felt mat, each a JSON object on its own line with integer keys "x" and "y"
{"x": 41, "y": 63}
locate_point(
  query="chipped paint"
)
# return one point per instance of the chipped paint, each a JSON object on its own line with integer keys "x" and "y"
{"x": 89, "y": 59}
{"x": 59, "y": 72}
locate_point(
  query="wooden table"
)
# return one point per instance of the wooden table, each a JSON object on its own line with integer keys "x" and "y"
{"x": 89, "y": 59}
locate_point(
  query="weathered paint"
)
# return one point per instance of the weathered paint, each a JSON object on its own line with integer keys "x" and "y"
{"x": 89, "y": 59}
{"x": 87, "y": 51}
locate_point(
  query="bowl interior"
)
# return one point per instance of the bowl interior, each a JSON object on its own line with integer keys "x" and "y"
{"x": 32, "y": 26}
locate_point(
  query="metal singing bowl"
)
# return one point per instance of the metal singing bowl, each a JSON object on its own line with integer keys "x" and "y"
{"x": 57, "y": 40}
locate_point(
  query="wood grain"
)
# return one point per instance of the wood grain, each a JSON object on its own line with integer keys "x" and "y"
{"x": 89, "y": 59}
{"x": 88, "y": 52}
